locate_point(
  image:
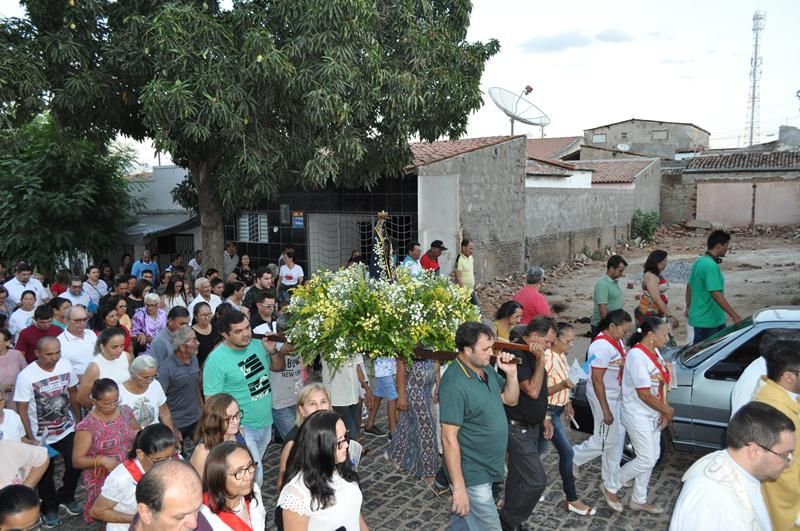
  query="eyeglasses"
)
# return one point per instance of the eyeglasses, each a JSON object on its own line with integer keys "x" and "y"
{"x": 238, "y": 416}
{"x": 151, "y": 305}
{"x": 786, "y": 456}
{"x": 147, "y": 378}
{"x": 242, "y": 472}
{"x": 343, "y": 442}
{"x": 81, "y": 320}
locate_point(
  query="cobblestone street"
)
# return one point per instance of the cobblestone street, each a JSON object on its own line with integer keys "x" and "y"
{"x": 394, "y": 501}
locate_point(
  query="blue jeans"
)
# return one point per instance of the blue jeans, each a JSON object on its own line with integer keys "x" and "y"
{"x": 283, "y": 419}
{"x": 482, "y": 514}
{"x": 564, "y": 449}
{"x": 701, "y": 334}
{"x": 257, "y": 440}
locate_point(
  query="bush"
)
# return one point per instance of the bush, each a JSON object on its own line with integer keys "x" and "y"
{"x": 644, "y": 224}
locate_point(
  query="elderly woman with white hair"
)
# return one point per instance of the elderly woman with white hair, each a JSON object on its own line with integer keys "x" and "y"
{"x": 143, "y": 393}
{"x": 148, "y": 321}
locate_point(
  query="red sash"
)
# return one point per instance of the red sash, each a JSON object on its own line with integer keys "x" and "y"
{"x": 230, "y": 519}
{"x": 133, "y": 469}
{"x": 662, "y": 370}
{"x": 617, "y": 345}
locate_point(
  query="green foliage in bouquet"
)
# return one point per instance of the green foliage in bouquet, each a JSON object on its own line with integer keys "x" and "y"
{"x": 339, "y": 313}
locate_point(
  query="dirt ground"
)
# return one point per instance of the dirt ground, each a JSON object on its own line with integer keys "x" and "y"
{"x": 761, "y": 269}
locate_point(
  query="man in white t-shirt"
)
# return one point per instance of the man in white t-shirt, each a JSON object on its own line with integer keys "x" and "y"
{"x": 75, "y": 293}
{"x": 77, "y": 343}
{"x": 345, "y": 384}
{"x": 196, "y": 265}
{"x": 286, "y": 383}
{"x": 203, "y": 287}
{"x": 291, "y": 275}
{"x": 22, "y": 281}
{"x": 606, "y": 359}
{"x": 722, "y": 490}
{"x": 46, "y": 393}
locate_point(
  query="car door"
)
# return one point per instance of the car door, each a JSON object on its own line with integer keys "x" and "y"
{"x": 712, "y": 386}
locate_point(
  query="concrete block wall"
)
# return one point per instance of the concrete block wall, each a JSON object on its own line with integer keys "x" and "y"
{"x": 491, "y": 204}
{"x": 647, "y": 195}
{"x": 678, "y": 198}
{"x": 560, "y": 223}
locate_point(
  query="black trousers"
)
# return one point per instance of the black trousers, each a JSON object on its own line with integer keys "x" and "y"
{"x": 47, "y": 487}
{"x": 526, "y": 479}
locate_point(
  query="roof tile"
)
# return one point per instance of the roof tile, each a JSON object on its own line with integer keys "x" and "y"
{"x": 429, "y": 152}
{"x": 614, "y": 171}
{"x": 752, "y": 160}
{"x": 550, "y": 148}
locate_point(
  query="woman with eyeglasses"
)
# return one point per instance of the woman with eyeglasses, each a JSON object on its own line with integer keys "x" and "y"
{"x": 102, "y": 439}
{"x": 116, "y": 504}
{"x": 109, "y": 361}
{"x": 144, "y": 394}
{"x": 231, "y": 499}
{"x": 322, "y": 490}
{"x": 148, "y": 321}
{"x": 220, "y": 422}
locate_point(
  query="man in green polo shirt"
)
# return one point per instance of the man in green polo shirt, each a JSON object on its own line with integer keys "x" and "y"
{"x": 706, "y": 304}
{"x": 240, "y": 367}
{"x": 607, "y": 293}
{"x": 474, "y": 428}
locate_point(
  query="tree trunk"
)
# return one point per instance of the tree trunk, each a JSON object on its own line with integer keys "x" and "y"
{"x": 211, "y": 219}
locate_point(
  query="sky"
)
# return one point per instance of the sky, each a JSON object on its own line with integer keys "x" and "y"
{"x": 592, "y": 63}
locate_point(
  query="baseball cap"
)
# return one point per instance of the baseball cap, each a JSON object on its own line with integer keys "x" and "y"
{"x": 439, "y": 245}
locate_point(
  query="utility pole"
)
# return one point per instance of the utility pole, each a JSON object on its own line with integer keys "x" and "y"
{"x": 753, "y": 101}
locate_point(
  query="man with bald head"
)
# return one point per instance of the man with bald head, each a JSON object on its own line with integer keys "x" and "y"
{"x": 77, "y": 343}
{"x": 203, "y": 288}
{"x": 168, "y": 498}
{"x": 46, "y": 393}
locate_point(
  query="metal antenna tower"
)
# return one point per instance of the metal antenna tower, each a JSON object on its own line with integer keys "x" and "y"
{"x": 753, "y": 101}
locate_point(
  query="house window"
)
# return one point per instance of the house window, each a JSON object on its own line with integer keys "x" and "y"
{"x": 599, "y": 138}
{"x": 623, "y": 136}
{"x": 661, "y": 134}
{"x": 253, "y": 227}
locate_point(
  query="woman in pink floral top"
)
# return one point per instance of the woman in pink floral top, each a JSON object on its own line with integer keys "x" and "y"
{"x": 102, "y": 439}
{"x": 148, "y": 321}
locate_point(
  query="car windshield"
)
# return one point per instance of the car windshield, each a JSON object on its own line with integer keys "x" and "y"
{"x": 694, "y": 355}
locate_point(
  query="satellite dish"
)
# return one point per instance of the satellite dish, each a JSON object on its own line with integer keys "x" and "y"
{"x": 517, "y": 108}
{"x": 623, "y": 147}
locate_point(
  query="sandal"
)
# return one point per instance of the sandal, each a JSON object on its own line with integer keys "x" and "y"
{"x": 589, "y": 511}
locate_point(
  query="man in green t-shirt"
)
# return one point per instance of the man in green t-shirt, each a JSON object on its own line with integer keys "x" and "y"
{"x": 607, "y": 293}
{"x": 706, "y": 304}
{"x": 240, "y": 367}
{"x": 474, "y": 429}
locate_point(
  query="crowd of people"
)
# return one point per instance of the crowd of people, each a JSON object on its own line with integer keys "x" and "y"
{"x": 161, "y": 395}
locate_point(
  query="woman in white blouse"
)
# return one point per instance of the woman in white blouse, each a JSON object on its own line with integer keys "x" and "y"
{"x": 321, "y": 490}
